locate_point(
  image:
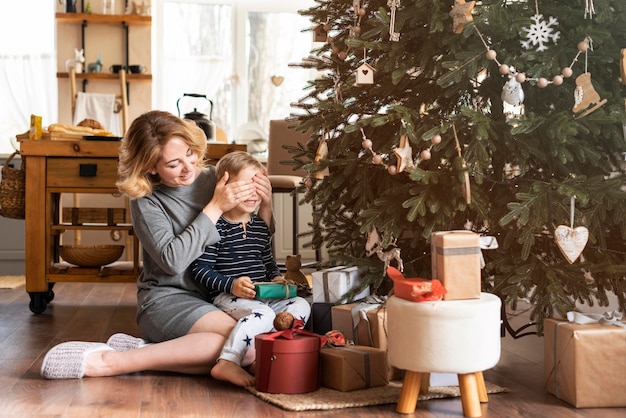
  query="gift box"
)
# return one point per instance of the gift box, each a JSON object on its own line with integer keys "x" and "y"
{"x": 353, "y": 367}
{"x": 287, "y": 361}
{"x": 377, "y": 320}
{"x": 584, "y": 364}
{"x": 331, "y": 284}
{"x": 456, "y": 263}
{"x": 321, "y": 320}
{"x": 271, "y": 290}
{"x": 352, "y": 321}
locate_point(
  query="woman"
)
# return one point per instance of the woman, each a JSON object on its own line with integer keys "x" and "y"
{"x": 175, "y": 203}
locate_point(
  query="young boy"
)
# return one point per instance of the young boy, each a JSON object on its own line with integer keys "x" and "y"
{"x": 229, "y": 269}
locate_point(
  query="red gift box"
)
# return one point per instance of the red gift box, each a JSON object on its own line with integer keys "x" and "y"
{"x": 288, "y": 361}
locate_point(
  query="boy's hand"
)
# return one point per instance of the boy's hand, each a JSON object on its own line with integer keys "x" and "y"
{"x": 244, "y": 288}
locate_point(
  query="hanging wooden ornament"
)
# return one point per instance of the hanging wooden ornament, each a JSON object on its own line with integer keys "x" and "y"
{"x": 321, "y": 154}
{"x": 571, "y": 241}
{"x": 585, "y": 96}
{"x": 277, "y": 80}
{"x": 320, "y": 34}
{"x": 393, "y": 7}
{"x": 467, "y": 191}
{"x": 461, "y": 14}
{"x": 404, "y": 153}
{"x": 364, "y": 74}
{"x": 622, "y": 65}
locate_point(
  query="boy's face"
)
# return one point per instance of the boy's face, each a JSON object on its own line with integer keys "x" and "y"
{"x": 254, "y": 201}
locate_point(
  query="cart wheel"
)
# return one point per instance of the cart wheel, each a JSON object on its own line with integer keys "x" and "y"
{"x": 38, "y": 303}
{"x": 49, "y": 295}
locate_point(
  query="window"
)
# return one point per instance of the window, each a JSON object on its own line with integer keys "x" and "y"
{"x": 27, "y": 68}
{"x": 235, "y": 52}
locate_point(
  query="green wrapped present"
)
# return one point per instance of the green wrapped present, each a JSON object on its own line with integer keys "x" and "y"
{"x": 274, "y": 290}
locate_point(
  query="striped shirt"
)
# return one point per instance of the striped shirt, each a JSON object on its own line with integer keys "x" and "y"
{"x": 240, "y": 252}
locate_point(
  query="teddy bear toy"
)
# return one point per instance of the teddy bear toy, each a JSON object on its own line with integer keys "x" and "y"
{"x": 294, "y": 274}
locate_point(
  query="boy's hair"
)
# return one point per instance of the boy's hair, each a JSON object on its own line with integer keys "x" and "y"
{"x": 234, "y": 162}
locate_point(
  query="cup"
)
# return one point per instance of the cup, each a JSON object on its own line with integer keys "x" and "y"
{"x": 136, "y": 69}
{"x": 116, "y": 68}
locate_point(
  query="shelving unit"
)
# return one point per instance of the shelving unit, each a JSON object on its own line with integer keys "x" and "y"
{"x": 85, "y": 19}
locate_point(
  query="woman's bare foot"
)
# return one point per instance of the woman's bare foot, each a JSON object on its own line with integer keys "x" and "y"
{"x": 231, "y": 372}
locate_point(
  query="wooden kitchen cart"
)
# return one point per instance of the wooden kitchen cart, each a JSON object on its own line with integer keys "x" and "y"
{"x": 54, "y": 167}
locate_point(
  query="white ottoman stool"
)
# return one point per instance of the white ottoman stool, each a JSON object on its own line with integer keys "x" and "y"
{"x": 452, "y": 336}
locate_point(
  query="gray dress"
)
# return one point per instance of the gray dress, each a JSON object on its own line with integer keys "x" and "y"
{"x": 173, "y": 232}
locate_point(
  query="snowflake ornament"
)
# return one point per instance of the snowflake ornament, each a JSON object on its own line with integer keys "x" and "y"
{"x": 541, "y": 32}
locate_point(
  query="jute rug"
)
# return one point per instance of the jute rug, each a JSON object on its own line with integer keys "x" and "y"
{"x": 12, "y": 282}
{"x": 326, "y": 399}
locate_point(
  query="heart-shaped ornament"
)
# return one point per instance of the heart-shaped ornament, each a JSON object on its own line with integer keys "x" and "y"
{"x": 277, "y": 80}
{"x": 571, "y": 241}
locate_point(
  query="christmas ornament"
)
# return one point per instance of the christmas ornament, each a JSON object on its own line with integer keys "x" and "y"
{"x": 590, "y": 9}
{"x": 321, "y": 154}
{"x": 571, "y": 241}
{"x": 540, "y": 32}
{"x": 393, "y": 6}
{"x": 364, "y": 74}
{"x": 277, "y": 80}
{"x": 585, "y": 96}
{"x": 404, "y": 153}
{"x": 622, "y": 66}
{"x": 320, "y": 33}
{"x": 467, "y": 192}
{"x": 461, "y": 14}
{"x": 512, "y": 92}
{"x": 374, "y": 245}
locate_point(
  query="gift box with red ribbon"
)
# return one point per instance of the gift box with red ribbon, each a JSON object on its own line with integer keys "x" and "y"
{"x": 288, "y": 361}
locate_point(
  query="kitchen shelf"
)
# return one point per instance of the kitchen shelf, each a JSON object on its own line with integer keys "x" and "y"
{"x": 106, "y": 76}
{"x": 136, "y": 20}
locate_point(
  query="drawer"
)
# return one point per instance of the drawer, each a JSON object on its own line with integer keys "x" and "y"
{"x": 81, "y": 172}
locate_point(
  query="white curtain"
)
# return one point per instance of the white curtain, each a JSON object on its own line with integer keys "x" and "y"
{"x": 28, "y": 68}
{"x": 27, "y": 86}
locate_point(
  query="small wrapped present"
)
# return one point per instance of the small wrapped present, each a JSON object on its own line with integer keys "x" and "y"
{"x": 377, "y": 319}
{"x": 585, "y": 363}
{"x": 288, "y": 361}
{"x": 456, "y": 261}
{"x": 275, "y": 290}
{"x": 353, "y": 367}
{"x": 321, "y": 321}
{"x": 331, "y": 284}
{"x": 351, "y": 320}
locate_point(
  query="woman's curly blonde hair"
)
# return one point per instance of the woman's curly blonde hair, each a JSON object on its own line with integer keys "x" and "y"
{"x": 142, "y": 147}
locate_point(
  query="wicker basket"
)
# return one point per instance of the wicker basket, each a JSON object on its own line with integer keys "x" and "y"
{"x": 91, "y": 255}
{"x": 13, "y": 189}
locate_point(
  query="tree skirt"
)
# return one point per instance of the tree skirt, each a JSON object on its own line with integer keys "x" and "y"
{"x": 12, "y": 282}
{"x": 324, "y": 398}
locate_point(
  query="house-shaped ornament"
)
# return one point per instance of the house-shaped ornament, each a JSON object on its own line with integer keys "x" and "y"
{"x": 319, "y": 33}
{"x": 365, "y": 74}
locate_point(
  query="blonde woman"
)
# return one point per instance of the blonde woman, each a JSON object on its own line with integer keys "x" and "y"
{"x": 175, "y": 203}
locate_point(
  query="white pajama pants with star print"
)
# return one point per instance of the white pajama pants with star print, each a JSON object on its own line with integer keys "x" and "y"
{"x": 254, "y": 316}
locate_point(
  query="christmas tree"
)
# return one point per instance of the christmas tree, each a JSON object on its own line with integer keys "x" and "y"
{"x": 502, "y": 117}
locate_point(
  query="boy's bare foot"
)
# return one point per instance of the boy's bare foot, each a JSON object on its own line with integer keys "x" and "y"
{"x": 231, "y": 372}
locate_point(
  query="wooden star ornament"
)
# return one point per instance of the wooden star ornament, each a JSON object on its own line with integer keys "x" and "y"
{"x": 461, "y": 14}
{"x": 405, "y": 155}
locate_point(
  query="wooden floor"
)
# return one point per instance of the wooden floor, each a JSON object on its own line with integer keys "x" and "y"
{"x": 95, "y": 311}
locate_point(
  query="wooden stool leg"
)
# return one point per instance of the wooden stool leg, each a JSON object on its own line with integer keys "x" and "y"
{"x": 469, "y": 395}
{"x": 409, "y": 393}
{"x": 482, "y": 389}
{"x": 424, "y": 383}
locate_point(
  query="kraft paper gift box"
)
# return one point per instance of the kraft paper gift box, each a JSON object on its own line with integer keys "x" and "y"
{"x": 287, "y": 362}
{"x": 353, "y": 367}
{"x": 377, "y": 319}
{"x": 352, "y": 321}
{"x": 585, "y": 364}
{"x": 331, "y": 284}
{"x": 456, "y": 263}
